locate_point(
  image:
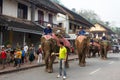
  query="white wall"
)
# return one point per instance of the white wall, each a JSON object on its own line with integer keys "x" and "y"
{"x": 29, "y": 13}
{"x": 64, "y": 20}
{"x": 36, "y": 15}
{"x": 55, "y": 19}
{"x": 46, "y": 16}
{"x": 10, "y": 8}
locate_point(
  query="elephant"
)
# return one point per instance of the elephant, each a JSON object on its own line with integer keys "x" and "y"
{"x": 104, "y": 46}
{"x": 51, "y": 46}
{"x": 82, "y": 47}
{"x": 93, "y": 49}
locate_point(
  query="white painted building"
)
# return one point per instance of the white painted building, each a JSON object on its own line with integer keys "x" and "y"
{"x": 25, "y": 19}
{"x": 10, "y": 8}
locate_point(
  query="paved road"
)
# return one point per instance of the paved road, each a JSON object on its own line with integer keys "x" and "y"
{"x": 96, "y": 69}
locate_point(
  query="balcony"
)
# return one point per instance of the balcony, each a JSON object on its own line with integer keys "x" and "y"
{"x": 44, "y": 23}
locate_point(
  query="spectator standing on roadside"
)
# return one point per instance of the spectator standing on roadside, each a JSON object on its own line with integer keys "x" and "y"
{"x": 31, "y": 53}
{"x": 8, "y": 60}
{"x": 26, "y": 52}
{"x": 23, "y": 56}
{"x": 19, "y": 56}
{"x": 39, "y": 53}
{"x": 3, "y": 56}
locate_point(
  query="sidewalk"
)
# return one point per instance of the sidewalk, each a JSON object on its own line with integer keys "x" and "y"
{"x": 25, "y": 66}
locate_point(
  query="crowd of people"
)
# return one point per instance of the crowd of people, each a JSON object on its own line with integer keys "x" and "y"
{"x": 20, "y": 55}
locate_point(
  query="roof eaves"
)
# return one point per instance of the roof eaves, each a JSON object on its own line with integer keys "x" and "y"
{"x": 73, "y": 15}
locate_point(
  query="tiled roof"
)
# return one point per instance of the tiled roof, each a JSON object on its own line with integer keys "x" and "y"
{"x": 46, "y": 4}
{"x": 19, "y": 23}
{"x": 108, "y": 29}
{"x": 74, "y": 16}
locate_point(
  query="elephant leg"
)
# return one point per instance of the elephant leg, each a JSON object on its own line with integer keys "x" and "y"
{"x": 81, "y": 60}
{"x": 94, "y": 54}
{"x": 46, "y": 62}
{"x": 66, "y": 63}
{"x": 79, "y": 56}
{"x": 102, "y": 53}
{"x": 89, "y": 54}
{"x": 105, "y": 53}
{"x": 50, "y": 66}
{"x": 98, "y": 53}
{"x": 84, "y": 62}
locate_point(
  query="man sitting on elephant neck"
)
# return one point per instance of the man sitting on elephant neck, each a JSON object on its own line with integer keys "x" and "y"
{"x": 91, "y": 41}
{"x": 81, "y": 32}
{"x": 48, "y": 30}
{"x": 104, "y": 38}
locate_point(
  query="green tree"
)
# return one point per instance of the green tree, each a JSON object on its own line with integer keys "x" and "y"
{"x": 92, "y": 17}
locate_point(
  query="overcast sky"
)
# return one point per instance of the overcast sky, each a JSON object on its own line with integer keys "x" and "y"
{"x": 108, "y": 10}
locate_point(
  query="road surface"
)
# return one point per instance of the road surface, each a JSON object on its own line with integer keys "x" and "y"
{"x": 96, "y": 69}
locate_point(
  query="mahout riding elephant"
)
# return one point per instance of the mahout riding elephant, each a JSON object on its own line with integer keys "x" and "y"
{"x": 82, "y": 48}
{"x": 50, "y": 46}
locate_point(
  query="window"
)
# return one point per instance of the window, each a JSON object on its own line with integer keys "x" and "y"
{"x": 74, "y": 28}
{"x": 22, "y": 11}
{"x": 1, "y": 1}
{"x": 41, "y": 17}
{"x": 70, "y": 26}
{"x": 50, "y": 18}
{"x": 60, "y": 24}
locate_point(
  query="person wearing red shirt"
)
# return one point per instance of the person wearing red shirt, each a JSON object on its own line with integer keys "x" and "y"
{"x": 3, "y": 56}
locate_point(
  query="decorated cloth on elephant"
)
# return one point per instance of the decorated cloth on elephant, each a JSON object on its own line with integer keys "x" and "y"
{"x": 96, "y": 44}
{"x": 81, "y": 38}
{"x": 65, "y": 41}
{"x": 47, "y": 37}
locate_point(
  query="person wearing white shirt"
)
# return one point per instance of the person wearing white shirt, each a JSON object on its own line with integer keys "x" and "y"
{"x": 26, "y": 52}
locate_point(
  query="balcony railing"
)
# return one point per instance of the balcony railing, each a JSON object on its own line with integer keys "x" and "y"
{"x": 44, "y": 23}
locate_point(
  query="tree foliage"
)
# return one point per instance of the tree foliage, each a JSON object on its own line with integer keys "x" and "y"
{"x": 90, "y": 15}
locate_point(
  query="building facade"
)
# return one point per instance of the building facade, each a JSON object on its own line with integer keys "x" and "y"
{"x": 100, "y": 30}
{"x": 72, "y": 21}
{"x": 22, "y": 21}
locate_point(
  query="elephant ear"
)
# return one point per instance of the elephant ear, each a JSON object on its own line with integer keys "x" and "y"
{"x": 53, "y": 44}
{"x": 42, "y": 39}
